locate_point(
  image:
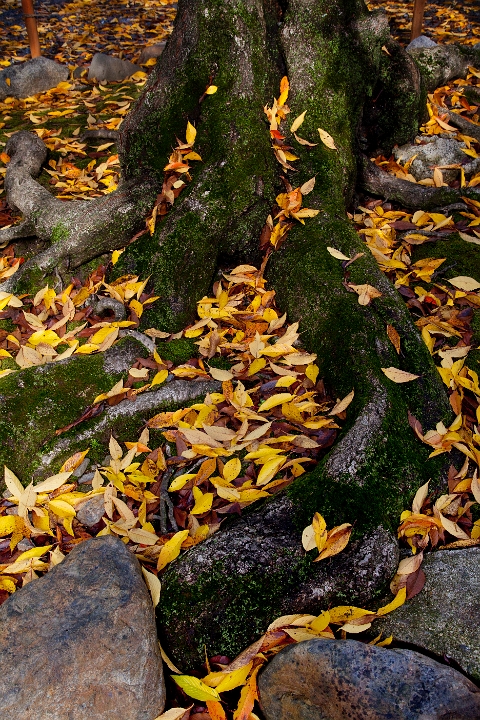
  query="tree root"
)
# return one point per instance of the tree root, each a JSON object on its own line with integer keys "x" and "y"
{"x": 374, "y": 180}
{"x": 177, "y": 393}
{"x": 79, "y": 231}
{"x": 100, "y": 134}
{"x": 464, "y": 124}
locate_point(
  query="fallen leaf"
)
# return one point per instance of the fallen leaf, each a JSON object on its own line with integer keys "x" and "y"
{"x": 399, "y": 376}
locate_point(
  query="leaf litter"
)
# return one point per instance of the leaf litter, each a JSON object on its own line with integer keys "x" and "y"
{"x": 271, "y": 419}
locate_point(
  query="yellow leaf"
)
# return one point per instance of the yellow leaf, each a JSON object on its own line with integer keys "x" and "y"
{"x": 153, "y": 584}
{"x": 7, "y": 584}
{"x": 342, "y": 404}
{"x": 234, "y": 679}
{"x": 55, "y": 481}
{"x": 462, "y": 282}
{"x": 337, "y": 540}
{"x": 191, "y": 133}
{"x": 13, "y": 483}
{"x": 257, "y": 364}
{"x": 203, "y": 501}
{"x": 222, "y": 375}
{"x": 159, "y": 378}
{"x": 8, "y": 524}
{"x": 211, "y": 90}
{"x": 270, "y": 469}
{"x": 399, "y": 599}
{"x": 115, "y": 256}
{"x": 398, "y": 376}
{"x": 327, "y": 139}
{"x": 173, "y": 714}
{"x": 320, "y": 622}
{"x": 171, "y": 549}
{"x": 275, "y": 400}
{"x": 72, "y": 463}
{"x": 311, "y": 372}
{"x": 320, "y": 530}
{"x": 231, "y": 469}
{"x": 346, "y": 613}
{"x": 308, "y": 538}
{"x": 297, "y": 122}
{"x": 35, "y": 552}
{"x": 337, "y": 254}
{"x": 102, "y": 334}
{"x": 61, "y": 508}
{"x": 195, "y": 688}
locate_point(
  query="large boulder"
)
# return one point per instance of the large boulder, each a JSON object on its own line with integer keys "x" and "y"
{"x": 339, "y": 679}
{"x": 31, "y": 77}
{"x": 445, "y": 617}
{"x": 80, "y": 643}
{"x": 105, "y": 68}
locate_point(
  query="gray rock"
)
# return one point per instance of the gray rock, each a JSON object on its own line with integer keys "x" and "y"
{"x": 440, "y": 64}
{"x": 151, "y": 51}
{"x": 31, "y": 77}
{"x": 433, "y": 151}
{"x": 80, "y": 643}
{"x": 105, "y": 68}
{"x": 422, "y": 41}
{"x": 340, "y": 679}
{"x": 91, "y": 511}
{"x": 81, "y": 469}
{"x": 445, "y": 617}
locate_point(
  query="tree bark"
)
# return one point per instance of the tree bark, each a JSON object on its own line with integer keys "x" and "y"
{"x": 224, "y": 592}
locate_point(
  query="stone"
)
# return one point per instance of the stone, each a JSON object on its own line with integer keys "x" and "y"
{"x": 422, "y": 41}
{"x": 340, "y": 679}
{"x": 105, "y": 68}
{"x": 31, "y": 77}
{"x": 433, "y": 151}
{"x": 80, "y": 642}
{"x": 91, "y": 511}
{"x": 445, "y": 617}
{"x": 151, "y": 51}
{"x": 81, "y": 469}
{"x": 440, "y": 63}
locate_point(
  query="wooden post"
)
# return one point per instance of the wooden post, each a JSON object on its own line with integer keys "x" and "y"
{"x": 417, "y": 20}
{"x": 31, "y": 25}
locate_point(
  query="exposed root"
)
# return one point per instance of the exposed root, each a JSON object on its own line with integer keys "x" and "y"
{"x": 78, "y": 231}
{"x": 177, "y": 393}
{"x": 100, "y": 134}
{"x": 101, "y": 305}
{"x": 411, "y": 195}
{"x": 462, "y": 123}
{"x": 21, "y": 231}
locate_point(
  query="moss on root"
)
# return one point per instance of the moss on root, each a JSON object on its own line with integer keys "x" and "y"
{"x": 37, "y": 401}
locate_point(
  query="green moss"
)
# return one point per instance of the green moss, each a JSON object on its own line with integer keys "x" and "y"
{"x": 249, "y": 597}
{"x": 60, "y": 233}
{"x": 37, "y": 401}
{"x": 461, "y": 257}
{"x": 178, "y": 351}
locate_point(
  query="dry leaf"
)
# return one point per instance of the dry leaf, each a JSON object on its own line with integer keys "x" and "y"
{"x": 327, "y": 139}
{"x": 399, "y": 376}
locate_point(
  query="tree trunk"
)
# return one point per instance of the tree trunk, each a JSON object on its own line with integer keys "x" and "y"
{"x": 224, "y": 592}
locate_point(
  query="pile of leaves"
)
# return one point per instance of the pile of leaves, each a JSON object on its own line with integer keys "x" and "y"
{"x": 71, "y": 32}
{"x": 444, "y": 22}
{"x": 51, "y": 327}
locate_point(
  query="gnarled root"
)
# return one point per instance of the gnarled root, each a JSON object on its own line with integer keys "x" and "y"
{"x": 376, "y": 181}
{"x": 78, "y": 231}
